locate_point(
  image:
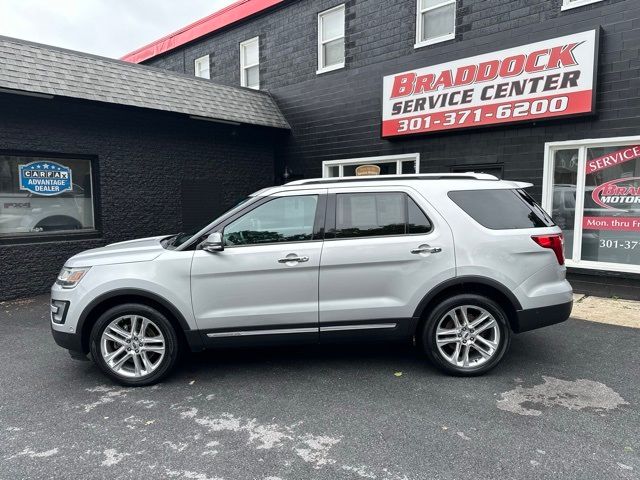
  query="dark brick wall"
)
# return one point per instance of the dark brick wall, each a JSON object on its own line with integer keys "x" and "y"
{"x": 337, "y": 115}
{"x": 143, "y": 158}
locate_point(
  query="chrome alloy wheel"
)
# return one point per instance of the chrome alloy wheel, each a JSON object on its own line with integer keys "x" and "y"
{"x": 132, "y": 346}
{"x": 467, "y": 336}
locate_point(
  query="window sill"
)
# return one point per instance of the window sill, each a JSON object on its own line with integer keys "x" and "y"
{"x": 581, "y": 3}
{"x": 602, "y": 266}
{"x": 338, "y": 66}
{"x": 51, "y": 237}
{"x": 433, "y": 41}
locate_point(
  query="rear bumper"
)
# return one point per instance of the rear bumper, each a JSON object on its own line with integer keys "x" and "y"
{"x": 534, "y": 318}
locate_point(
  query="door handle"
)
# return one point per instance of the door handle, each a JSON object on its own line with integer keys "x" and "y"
{"x": 293, "y": 259}
{"x": 426, "y": 249}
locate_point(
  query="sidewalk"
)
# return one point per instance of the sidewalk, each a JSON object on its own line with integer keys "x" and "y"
{"x": 625, "y": 313}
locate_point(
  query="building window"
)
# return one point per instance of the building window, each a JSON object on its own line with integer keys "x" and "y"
{"x": 202, "y": 67}
{"x": 436, "y": 21}
{"x": 331, "y": 39}
{"x": 250, "y": 63}
{"x": 42, "y": 195}
{"x": 406, "y": 164}
{"x": 569, "y": 4}
{"x": 592, "y": 191}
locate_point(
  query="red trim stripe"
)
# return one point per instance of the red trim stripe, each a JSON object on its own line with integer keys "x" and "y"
{"x": 227, "y": 16}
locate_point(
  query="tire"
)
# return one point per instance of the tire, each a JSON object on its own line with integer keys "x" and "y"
{"x": 144, "y": 364}
{"x": 472, "y": 338}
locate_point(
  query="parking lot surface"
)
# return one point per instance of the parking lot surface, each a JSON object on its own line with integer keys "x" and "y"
{"x": 563, "y": 404}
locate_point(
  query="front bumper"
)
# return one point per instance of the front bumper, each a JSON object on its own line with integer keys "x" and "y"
{"x": 534, "y": 318}
{"x": 72, "y": 342}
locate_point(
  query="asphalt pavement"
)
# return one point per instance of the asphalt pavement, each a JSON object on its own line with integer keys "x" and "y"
{"x": 564, "y": 403}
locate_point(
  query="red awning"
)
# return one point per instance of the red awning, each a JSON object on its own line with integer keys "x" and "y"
{"x": 220, "y": 19}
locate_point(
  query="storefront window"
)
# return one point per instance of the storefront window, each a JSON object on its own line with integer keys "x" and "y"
{"x": 40, "y": 195}
{"x": 611, "y": 223}
{"x": 563, "y": 211}
{"x": 592, "y": 190}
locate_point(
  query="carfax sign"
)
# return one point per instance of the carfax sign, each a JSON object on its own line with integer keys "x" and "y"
{"x": 546, "y": 79}
{"x": 45, "y": 178}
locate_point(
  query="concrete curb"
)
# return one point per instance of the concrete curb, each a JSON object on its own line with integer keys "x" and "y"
{"x": 613, "y": 311}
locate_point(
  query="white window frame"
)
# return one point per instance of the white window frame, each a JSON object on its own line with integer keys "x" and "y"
{"x": 337, "y": 66}
{"x": 244, "y": 67}
{"x": 442, "y": 38}
{"x": 327, "y": 164}
{"x": 547, "y": 196}
{"x": 568, "y": 4}
{"x": 202, "y": 60}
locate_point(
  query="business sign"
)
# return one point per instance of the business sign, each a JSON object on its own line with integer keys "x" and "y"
{"x": 364, "y": 170}
{"x": 45, "y": 178}
{"x": 552, "y": 78}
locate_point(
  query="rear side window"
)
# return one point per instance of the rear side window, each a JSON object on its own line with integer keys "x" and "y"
{"x": 377, "y": 214}
{"x": 502, "y": 209}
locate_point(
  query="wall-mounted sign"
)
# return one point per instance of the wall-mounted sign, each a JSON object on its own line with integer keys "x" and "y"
{"x": 45, "y": 178}
{"x": 552, "y": 78}
{"x": 363, "y": 170}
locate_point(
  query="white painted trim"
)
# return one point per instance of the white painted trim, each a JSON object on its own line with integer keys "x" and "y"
{"x": 371, "y": 160}
{"x": 206, "y": 60}
{"x": 568, "y": 5}
{"x": 547, "y": 195}
{"x": 337, "y": 66}
{"x": 442, "y": 38}
{"x": 321, "y": 67}
{"x": 244, "y": 67}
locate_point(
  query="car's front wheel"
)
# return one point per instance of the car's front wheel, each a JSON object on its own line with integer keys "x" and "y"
{"x": 134, "y": 344}
{"x": 466, "y": 334}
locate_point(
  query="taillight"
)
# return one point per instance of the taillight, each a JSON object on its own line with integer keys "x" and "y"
{"x": 555, "y": 242}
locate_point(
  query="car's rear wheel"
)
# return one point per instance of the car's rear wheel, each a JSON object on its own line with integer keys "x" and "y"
{"x": 134, "y": 344}
{"x": 466, "y": 334}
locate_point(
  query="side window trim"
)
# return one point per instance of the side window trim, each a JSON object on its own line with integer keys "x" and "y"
{"x": 318, "y": 224}
{"x": 332, "y": 205}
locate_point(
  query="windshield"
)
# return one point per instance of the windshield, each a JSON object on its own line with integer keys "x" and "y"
{"x": 181, "y": 238}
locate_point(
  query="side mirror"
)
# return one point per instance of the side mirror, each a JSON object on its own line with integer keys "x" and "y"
{"x": 213, "y": 243}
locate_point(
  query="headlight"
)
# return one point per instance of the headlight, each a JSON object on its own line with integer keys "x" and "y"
{"x": 70, "y": 277}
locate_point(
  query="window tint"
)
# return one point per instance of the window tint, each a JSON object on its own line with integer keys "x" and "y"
{"x": 417, "y": 220}
{"x": 375, "y": 214}
{"x": 284, "y": 219}
{"x": 502, "y": 209}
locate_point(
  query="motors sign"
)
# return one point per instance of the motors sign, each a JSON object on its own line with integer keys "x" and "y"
{"x": 552, "y": 78}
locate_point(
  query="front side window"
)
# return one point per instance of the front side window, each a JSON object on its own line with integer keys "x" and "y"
{"x": 202, "y": 67}
{"x": 250, "y": 63}
{"x": 283, "y": 219}
{"x": 377, "y": 214}
{"x": 331, "y": 39}
{"x": 40, "y": 195}
{"x": 436, "y": 21}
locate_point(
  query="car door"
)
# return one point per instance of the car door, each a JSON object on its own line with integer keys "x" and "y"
{"x": 385, "y": 249}
{"x": 265, "y": 281}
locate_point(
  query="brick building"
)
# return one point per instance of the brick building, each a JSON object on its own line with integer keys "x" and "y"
{"x": 145, "y": 152}
{"x": 544, "y": 91}
{"x": 324, "y": 62}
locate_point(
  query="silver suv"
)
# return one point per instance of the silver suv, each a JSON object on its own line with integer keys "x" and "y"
{"x": 458, "y": 262}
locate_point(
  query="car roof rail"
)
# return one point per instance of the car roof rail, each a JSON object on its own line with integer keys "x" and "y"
{"x": 382, "y": 178}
